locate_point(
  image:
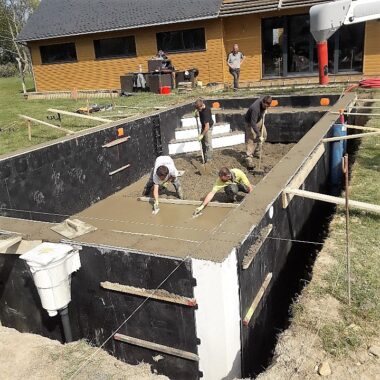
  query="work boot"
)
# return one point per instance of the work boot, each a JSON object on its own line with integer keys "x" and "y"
{"x": 249, "y": 162}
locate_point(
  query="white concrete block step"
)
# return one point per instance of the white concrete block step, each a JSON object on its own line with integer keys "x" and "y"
{"x": 218, "y": 141}
{"x": 190, "y": 132}
{"x": 190, "y": 121}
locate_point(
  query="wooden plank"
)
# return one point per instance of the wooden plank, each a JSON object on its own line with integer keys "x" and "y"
{"x": 8, "y": 242}
{"x": 189, "y": 202}
{"x": 330, "y": 199}
{"x": 142, "y": 108}
{"x": 369, "y": 107}
{"x": 156, "y": 347}
{"x": 78, "y": 115}
{"x": 300, "y": 177}
{"x": 252, "y": 252}
{"x": 349, "y": 126}
{"x": 22, "y": 247}
{"x": 368, "y": 100}
{"x": 119, "y": 170}
{"x": 357, "y": 113}
{"x": 257, "y": 299}
{"x": 45, "y": 123}
{"x": 349, "y": 137}
{"x": 121, "y": 116}
{"x": 116, "y": 142}
{"x": 29, "y": 130}
{"x": 159, "y": 294}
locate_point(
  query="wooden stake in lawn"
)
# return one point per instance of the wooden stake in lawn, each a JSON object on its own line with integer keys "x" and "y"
{"x": 348, "y": 261}
{"x": 29, "y": 129}
{"x": 31, "y": 119}
{"x": 112, "y": 101}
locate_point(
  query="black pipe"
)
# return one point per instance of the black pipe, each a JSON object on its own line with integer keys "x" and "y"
{"x": 64, "y": 313}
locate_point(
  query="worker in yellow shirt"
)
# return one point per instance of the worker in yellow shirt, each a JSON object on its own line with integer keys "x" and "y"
{"x": 232, "y": 181}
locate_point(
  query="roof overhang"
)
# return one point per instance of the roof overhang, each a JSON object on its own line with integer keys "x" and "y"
{"x": 115, "y": 29}
{"x": 243, "y": 7}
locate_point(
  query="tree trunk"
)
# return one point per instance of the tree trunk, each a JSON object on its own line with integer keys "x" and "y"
{"x": 21, "y": 74}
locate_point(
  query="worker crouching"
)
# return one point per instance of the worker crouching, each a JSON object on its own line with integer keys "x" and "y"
{"x": 232, "y": 181}
{"x": 163, "y": 173}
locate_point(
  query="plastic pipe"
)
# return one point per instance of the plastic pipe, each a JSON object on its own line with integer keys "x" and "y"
{"x": 336, "y": 154}
{"x": 323, "y": 62}
{"x": 64, "y": 313}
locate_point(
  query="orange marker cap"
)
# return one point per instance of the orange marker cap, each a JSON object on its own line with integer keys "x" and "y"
{"x": 324, "y": 102}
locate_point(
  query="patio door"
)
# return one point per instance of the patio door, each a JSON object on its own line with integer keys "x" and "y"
{"x": 288, "y": 48}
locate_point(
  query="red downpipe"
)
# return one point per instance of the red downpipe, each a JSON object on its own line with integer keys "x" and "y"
{"x": 323, "y": 62}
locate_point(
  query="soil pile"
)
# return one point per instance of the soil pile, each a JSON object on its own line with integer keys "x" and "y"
{"x": 30, "y": 356}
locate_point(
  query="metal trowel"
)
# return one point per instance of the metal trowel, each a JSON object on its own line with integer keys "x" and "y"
{"x": 195, "y": 215}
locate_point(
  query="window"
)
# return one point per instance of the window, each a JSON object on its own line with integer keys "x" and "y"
{"x": 115, "y": 47}
{"x": 350, "y": 47}
{"x": 181, "y": 40}
{"x": 288, "y": 48}
{"x": 58, "y": 53}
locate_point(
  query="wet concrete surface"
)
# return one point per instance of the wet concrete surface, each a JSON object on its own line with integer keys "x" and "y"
{"x": 125, "y": 222}
{"x": 122, "y": 221}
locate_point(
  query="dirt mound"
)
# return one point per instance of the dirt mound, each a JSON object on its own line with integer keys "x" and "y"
{"x": 30, "y": 356}
{"x": 196, "y": 184}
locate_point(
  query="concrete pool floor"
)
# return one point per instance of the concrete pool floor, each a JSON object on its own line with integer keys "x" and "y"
{"x": 125, "y": 222}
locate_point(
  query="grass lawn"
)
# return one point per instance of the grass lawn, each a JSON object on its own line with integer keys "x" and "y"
{"x": 14, "y": 135}
{"x": 358, "y": 324}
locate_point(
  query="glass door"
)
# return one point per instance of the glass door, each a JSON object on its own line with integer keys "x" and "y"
{"x": 272, "y": 42}
{"x": 299, "y": 45}
{"x": 288, "y": 48}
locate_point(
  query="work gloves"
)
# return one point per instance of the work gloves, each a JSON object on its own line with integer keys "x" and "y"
{"x": 156, "y": 207}
{"x": 200, "y": 137}
{"x": 198, "y": 210}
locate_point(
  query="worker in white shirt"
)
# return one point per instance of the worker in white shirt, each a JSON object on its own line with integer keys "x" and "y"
{"x": 163, "y": 173}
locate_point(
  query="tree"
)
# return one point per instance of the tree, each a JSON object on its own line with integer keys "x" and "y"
{"x": 13, "y": 16}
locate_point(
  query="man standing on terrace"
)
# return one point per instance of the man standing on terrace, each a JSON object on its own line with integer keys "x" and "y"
{"x": 234, "y": 61}
{"x": 255, "y": 131}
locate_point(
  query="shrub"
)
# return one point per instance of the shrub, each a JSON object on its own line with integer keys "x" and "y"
{"x": 8, "y": 70}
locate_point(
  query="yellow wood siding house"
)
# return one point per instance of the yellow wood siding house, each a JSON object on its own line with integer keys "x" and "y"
{"x": 89, "y": 44}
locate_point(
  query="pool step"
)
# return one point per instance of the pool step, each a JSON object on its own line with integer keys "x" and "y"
{"x": 190, "y": 121}
{"x": 221, "y": 140}
{"x": 190, "y": 132}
